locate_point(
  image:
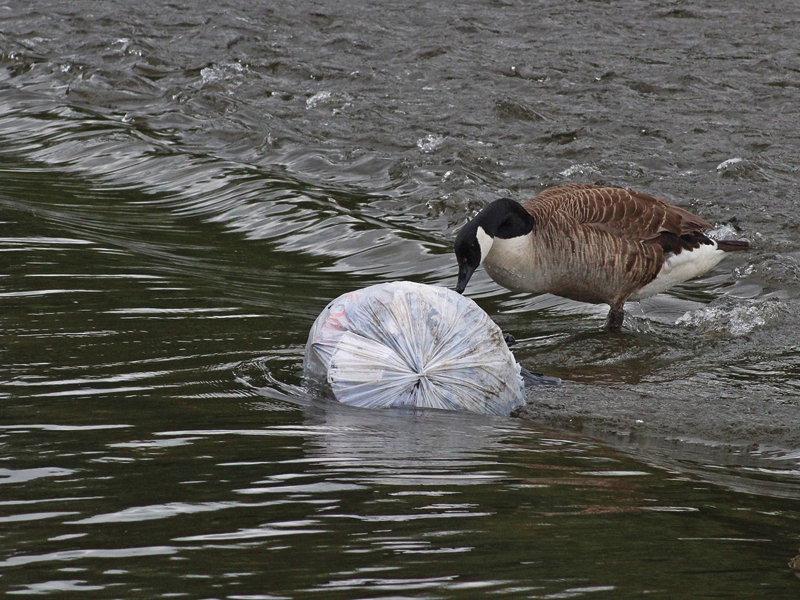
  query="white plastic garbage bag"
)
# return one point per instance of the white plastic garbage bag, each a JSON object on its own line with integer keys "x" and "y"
{"x": 408, "y": 344}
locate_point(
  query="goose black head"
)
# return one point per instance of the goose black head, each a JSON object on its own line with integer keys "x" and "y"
{"x": 504, "y": 219}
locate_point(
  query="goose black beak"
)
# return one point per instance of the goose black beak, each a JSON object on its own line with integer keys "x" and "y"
{"x": 464, "y": 273}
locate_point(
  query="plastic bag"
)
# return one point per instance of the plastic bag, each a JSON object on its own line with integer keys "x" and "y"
{"x": 408, "y": 344}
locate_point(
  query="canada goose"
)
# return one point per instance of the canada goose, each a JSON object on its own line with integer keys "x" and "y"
{"x": 588, "y": 243}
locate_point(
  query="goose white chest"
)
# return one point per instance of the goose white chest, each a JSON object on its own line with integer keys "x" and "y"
{"x": 515, "y": 264}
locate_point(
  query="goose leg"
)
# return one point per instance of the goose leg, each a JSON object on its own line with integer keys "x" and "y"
{"x": 615, "y": 317}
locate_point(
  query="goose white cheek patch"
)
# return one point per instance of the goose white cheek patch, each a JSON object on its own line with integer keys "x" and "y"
{"x": 486, "y": 241}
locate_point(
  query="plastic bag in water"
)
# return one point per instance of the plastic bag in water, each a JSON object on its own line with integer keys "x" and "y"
{"x": 408, "y": 344}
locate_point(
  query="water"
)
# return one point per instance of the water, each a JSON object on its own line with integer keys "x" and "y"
{"x": 183, "y": 187}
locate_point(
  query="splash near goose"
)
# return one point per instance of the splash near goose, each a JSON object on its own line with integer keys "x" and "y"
{"x": 589, "y": 243}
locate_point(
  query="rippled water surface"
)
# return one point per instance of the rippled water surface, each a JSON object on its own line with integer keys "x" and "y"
{"x": 184, "y": 186}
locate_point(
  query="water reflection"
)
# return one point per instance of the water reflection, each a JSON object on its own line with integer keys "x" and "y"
{"x": 79, "y": 555}
{"x": 373, "y": 492}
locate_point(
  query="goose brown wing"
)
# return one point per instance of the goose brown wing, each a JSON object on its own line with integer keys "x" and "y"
{"x": 617, "y": 211}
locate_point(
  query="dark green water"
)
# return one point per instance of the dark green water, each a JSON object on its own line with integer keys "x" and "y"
{"x": 184, "y": 187}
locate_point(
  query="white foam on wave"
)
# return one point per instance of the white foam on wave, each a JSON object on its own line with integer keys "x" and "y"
{"x": 583, "y": 170}
{"x": 430, "y": 143}
{"x": 338, "y": 101}
{"x": 727, "y": 164}
{"x": 226, "y": 72}
{"x": 734, "y": 316}
{"x": 726, "y": 231}
{"x": 319, "y": 98}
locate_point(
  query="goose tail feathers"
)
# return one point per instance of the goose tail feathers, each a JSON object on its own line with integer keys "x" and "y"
{"x": 733, "y": 245}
